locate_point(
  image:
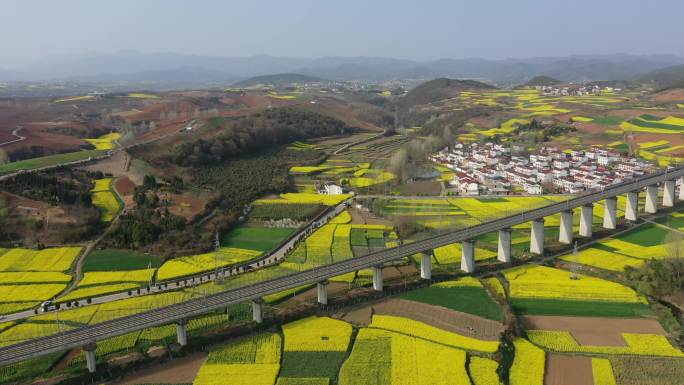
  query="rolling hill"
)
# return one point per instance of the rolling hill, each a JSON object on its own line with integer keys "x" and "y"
{"x": 541, "y": 81}
{"x": 665, "y": 78}
{"x": 278, "y": 80}
{"x": 439, "y": 89}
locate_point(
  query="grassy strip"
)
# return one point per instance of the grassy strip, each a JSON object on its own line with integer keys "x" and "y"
{"x": 117, "y": 260}
{"x": 580, "y": 308}
{"x": 472, "y": 300}
{"x": 256, "y": 238}
{"x": 51, "y": 160}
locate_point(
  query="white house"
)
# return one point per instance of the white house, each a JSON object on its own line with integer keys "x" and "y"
{"x": 533, "y": 188}
{"x": 332, "y": 189}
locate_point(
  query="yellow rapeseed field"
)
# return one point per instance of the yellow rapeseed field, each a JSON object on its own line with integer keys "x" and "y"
{"x": 318, "y": 245}
{"x": 604, "y": 259}
{"x": 483, "y": 371}
{"x": 317, "y": 334}
{"x": 53, "y": 259}
{"x": 104, "y": 199}
{"x": 637, "y": 344}
{"x": 602, "y": 371}
{"x": 74, "y": 99}
{"x": 546, "y": 282}
{"x": 528, "y": 364}
{"x": 237, "y": 374}
{"x": 105, "y": 142}
{"x": 34, "y": 277}
{"x": 306, "y": 198}
{"x": 415, "y": 361}
{"x": 249, "y": 361}
{"x": 452, "y": 254}
{"x": 106, "y": 277}
{"x": 496, "y": 285}
{"x": 636, "y": 251}
{"x": 461, "y": 282}
{"x": 431, "y": 333}
{"x": 343, "y": 218}
{"x": 194, "y": 264}
{"x": 24, "y": 293}
{"x": 140, "y": 95}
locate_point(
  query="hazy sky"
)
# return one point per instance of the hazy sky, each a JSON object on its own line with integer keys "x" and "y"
{"x": 414, "y": 29}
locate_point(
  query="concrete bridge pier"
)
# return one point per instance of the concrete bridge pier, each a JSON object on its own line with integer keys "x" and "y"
{"x": 632, "y": 207}
{"x": 377, "y": 278}
{"x": 565, "y": 233}
{"x": 668, "y": 193}
{"x": 468, "y": 256}
{"x": 504, "y": 249}
{"x": 90, "y": 357}
{"x": 681, "y": 188}
{"x": 610, "y": 213}
{"x": 586, "y": 220}
{"x": 537, "y": 237}
{"x": 651, "y": 206}
{"x": 181, "y": 333}
{"x": 258, "y": 310}
{"x": 322, "y": 289}
{"x": 426, "y": 266}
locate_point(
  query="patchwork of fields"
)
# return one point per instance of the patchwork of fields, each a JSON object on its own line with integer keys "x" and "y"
{"x": 29, "y": 277}
{"x": 448, "y": 332}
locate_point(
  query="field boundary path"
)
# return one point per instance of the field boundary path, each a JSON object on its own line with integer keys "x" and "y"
{"x": 361, "y": 141}
{"x": 16, "y": 134}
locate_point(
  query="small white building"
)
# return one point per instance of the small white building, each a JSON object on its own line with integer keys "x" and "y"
{"x": 533, "y": 188}
{"x": 332, "y": 189}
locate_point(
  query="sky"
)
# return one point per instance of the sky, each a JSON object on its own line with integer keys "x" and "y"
{"x": 408, "y": 29}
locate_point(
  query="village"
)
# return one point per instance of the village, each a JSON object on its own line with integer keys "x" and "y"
{"x": 496, "y": 169}
{"x": 573, "y": 90}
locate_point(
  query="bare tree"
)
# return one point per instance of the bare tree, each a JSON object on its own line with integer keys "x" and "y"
{"x": 674, "y": 244}
{"x": 4, "y": 158}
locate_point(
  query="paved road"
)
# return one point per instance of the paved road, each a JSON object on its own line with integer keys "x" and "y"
{"x": 198, "y": 306}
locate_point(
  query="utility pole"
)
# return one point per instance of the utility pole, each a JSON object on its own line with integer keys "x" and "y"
{"x": 218, "y": 275}
{"x": 575, "y": 265}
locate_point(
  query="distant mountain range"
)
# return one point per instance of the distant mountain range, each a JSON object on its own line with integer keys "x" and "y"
{"x": 670, "y": 77}
{"x": 541, "y": 81}
{"x": 197, "y": 70}
{"x": 278, "y": 80}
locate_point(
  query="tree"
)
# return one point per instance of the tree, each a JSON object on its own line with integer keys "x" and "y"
{"x": 4, "y": 158}
{"x": 674, "y": 244}
{"x": 150, "y": 182}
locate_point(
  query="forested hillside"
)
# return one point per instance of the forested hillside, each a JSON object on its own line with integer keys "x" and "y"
{"x": 237, "y": 136}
